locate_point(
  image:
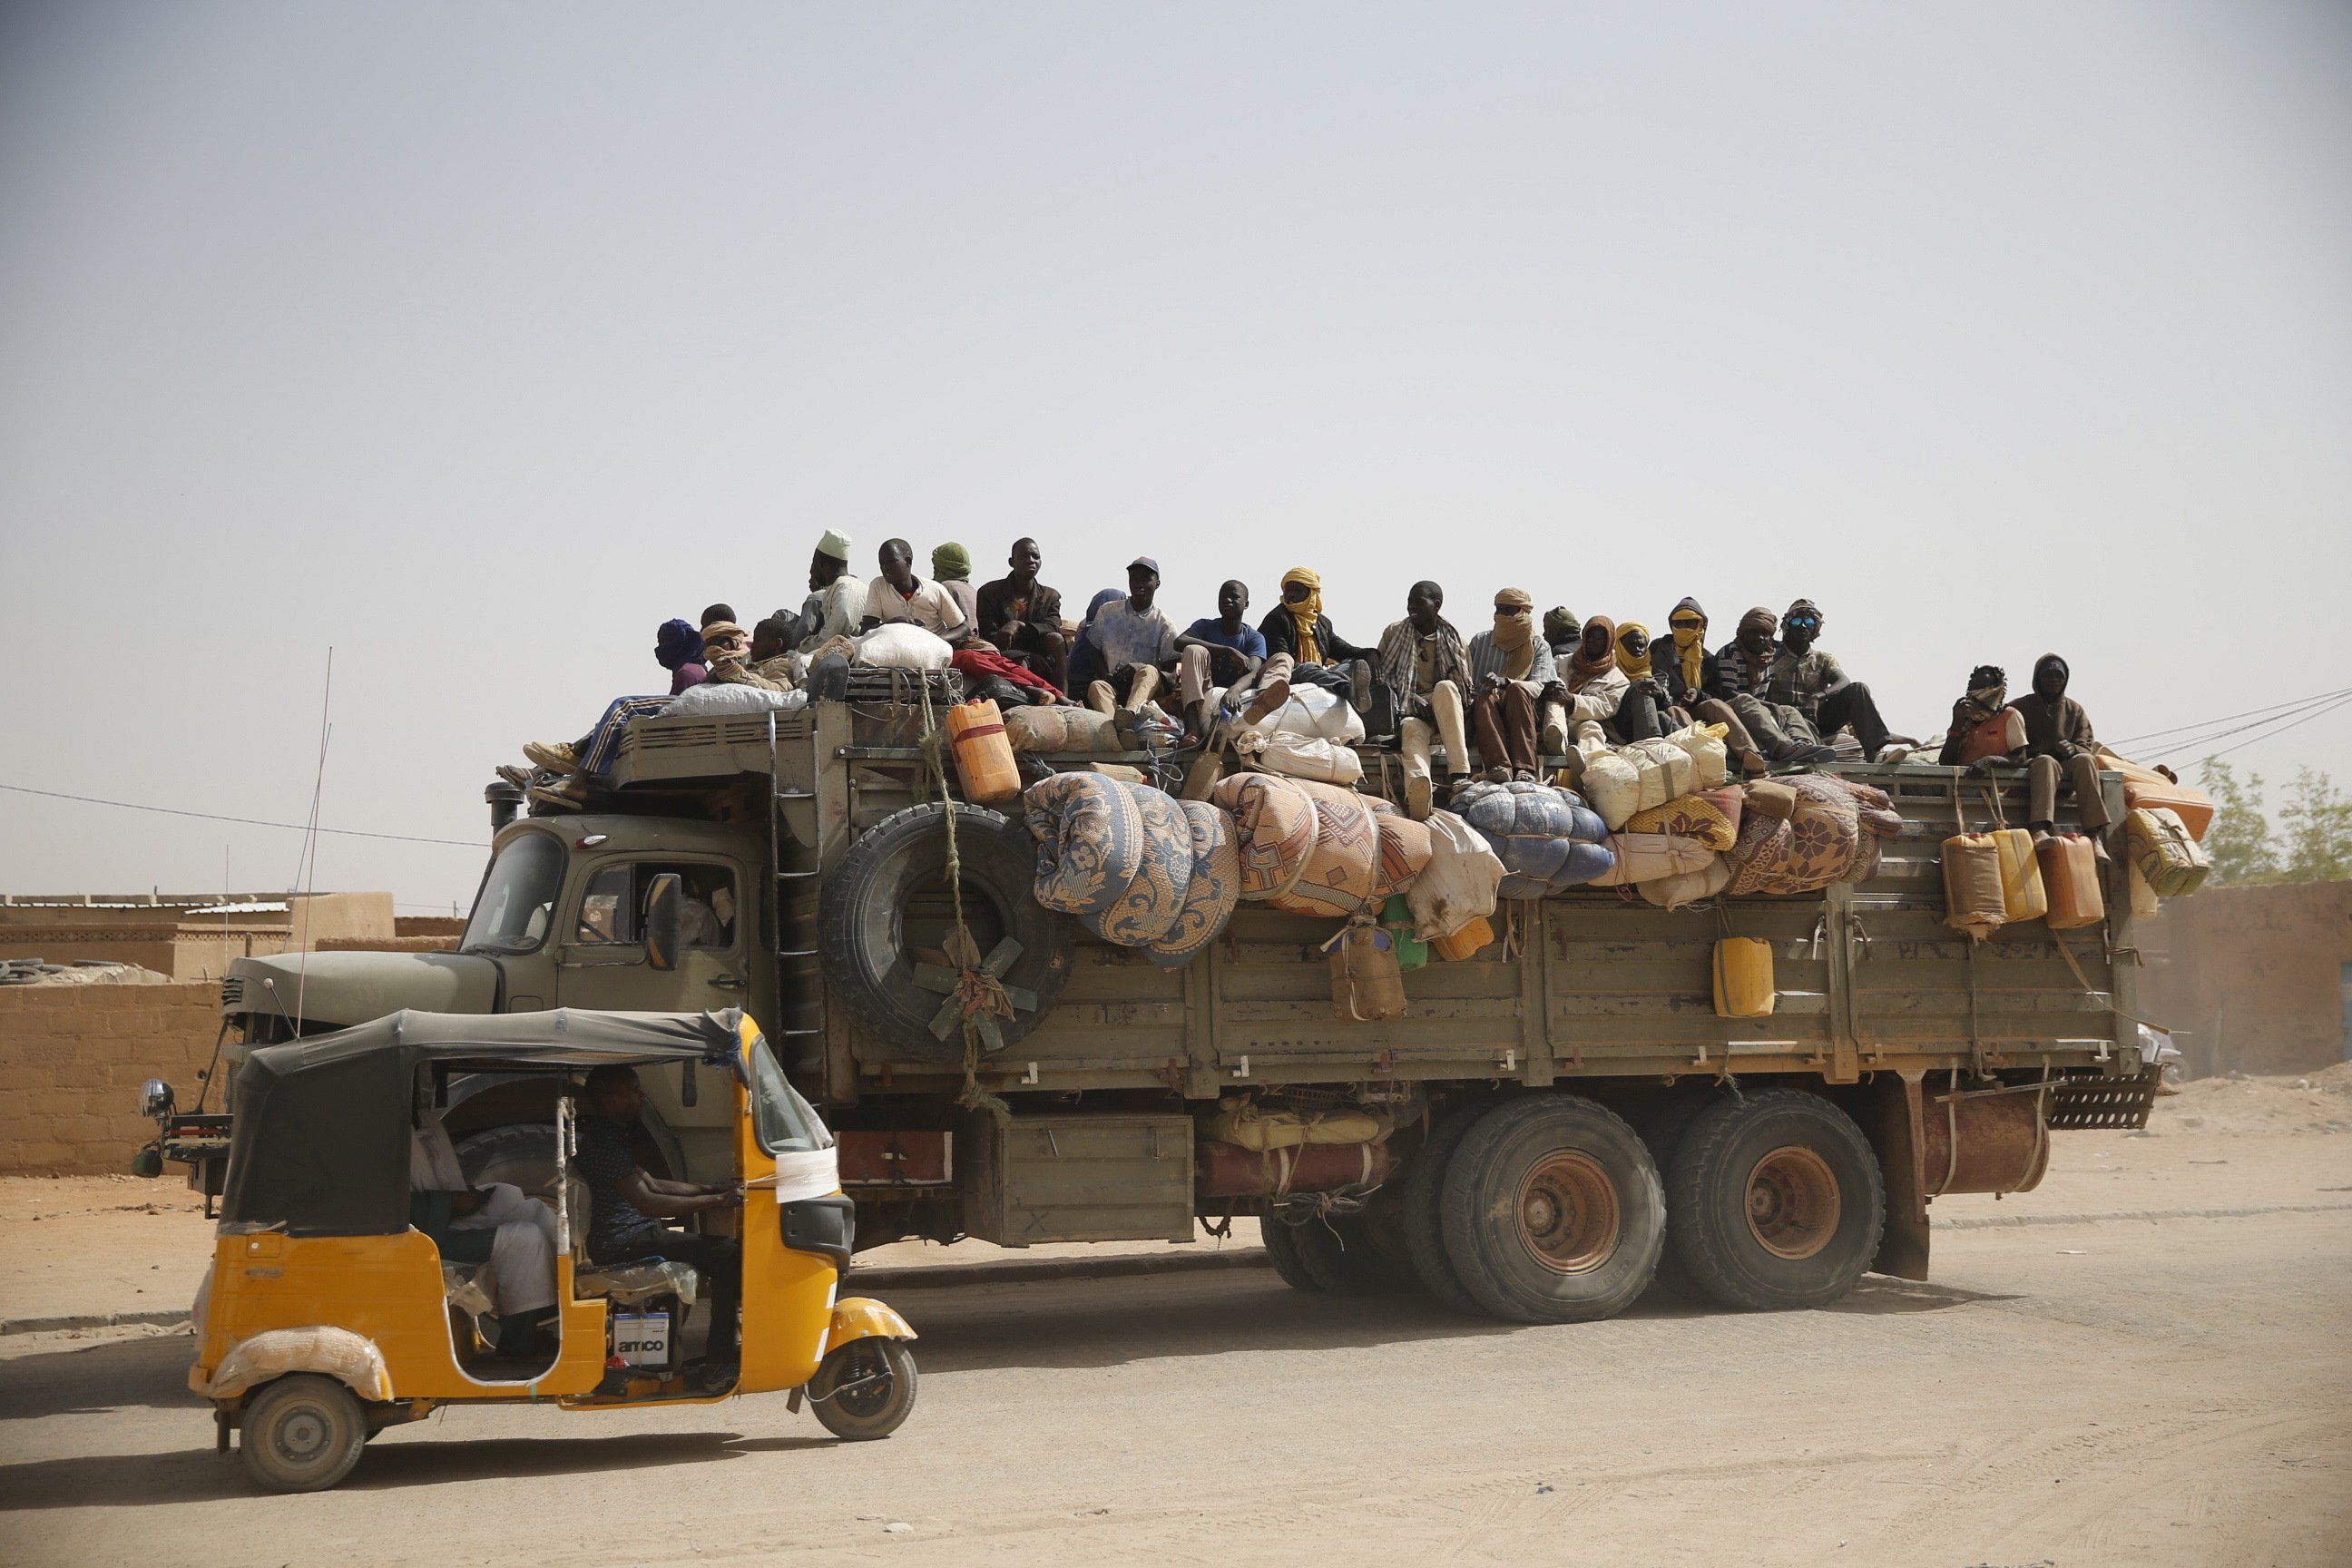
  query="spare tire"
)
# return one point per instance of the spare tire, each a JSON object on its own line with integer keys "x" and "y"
{"x": 869, "y": 957}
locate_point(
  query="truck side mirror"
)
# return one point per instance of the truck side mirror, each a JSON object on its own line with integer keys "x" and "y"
{"x": 665, "y": 905}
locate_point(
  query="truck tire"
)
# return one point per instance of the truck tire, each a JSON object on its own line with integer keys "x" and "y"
{"x": 1337, "y": 1256}
{"x": 1553, "y": 1211}
{"x": 1424, "y": 1211}
{"x": 1663, "y": 1131}
{"x": 1282, "y": 1251}
{"x": 1776, "y": 1201}
{"x": 863, "y": 945}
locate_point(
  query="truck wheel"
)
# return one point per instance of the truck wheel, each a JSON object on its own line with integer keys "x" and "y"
{"x": 1424, "y": 1217}
{"x": 1553, "y": 1211}
{"x": 864, "y": 1390}
{"x": 1282, "y": 1251}
{"x": 898, "y": 870}
{"x": 302, "y": 1434}
{"x": 1662, "y": 1132}
{"x": 1777, "y": 1201}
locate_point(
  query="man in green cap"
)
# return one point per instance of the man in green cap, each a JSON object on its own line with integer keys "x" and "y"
{"x": 951, "y": 570}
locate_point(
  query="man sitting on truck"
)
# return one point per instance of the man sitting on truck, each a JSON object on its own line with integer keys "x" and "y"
{"x": 1803, "y": 677}
{"x": 1302, "y": 646}
{"x": 1777, "y": 732}
{"x": 1136, "y": 641}
{"x": 626, "y": 1206}
{"x": 1511, "y": 668}
{"x": 1221, "y": 651}
{"x": 2058, "y": 740}
{"x": 1424, "y": 667}
{"x": 1023, "y": 617}
{"x": 836, "y": 606}
{"x": 899, "y": 595}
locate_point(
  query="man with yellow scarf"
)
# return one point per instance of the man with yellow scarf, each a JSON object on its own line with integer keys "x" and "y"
{"x": 1510, "y": 670}
{"x": 1301, "y": 645}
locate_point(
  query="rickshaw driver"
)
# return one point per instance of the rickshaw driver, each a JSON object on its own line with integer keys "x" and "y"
{"x": 626, "y": 1206}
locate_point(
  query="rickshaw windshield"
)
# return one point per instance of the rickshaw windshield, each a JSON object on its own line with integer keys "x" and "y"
{"x": 786, "y": 1123}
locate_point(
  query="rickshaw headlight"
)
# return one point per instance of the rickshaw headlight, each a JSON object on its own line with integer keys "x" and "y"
{"x": 154, "y": 1099}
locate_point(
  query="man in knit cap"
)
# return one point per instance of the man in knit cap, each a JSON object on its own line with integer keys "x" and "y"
{"x": 837, "y": 599}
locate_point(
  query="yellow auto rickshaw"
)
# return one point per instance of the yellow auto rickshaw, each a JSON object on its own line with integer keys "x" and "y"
{"x": 329, "y": 1315}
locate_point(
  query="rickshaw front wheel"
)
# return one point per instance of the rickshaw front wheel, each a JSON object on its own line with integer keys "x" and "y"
{"x": 865, "y": 1389}
{"x": 302, "y": 1434}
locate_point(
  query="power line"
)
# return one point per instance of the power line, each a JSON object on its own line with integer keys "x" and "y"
{"x": 247, "y": 821}
{"x": 2281, "y": 730}
{"x": 2276, "y": 710}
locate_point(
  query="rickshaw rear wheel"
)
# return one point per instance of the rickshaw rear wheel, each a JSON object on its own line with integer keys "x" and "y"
{"x": 865, "y": 1389}
{"x": 302, "y": 1434}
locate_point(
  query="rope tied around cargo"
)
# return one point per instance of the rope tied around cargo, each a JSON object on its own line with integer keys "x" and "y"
{"x": 977, "y": 993}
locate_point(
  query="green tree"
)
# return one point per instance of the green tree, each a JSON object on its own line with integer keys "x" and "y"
{"x": 2317, "y": 820}
{"x": 2242, "y": 846}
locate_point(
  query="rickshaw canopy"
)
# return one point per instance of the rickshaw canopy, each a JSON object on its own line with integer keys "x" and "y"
{"x": 320, "y": 1143}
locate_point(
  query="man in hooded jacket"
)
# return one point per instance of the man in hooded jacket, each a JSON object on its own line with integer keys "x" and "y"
{"x": 2058, "y": 743}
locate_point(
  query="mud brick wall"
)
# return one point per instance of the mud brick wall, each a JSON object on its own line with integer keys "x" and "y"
{"x": 73, "y": 1058}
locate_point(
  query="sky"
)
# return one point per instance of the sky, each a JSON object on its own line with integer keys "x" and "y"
{"x": 470, "y": 343}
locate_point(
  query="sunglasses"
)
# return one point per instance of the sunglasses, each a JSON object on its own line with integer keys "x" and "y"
{"x": 1801, "y": 624}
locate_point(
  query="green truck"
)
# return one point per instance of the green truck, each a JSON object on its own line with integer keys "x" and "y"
{"x": 1551, "y": 1124}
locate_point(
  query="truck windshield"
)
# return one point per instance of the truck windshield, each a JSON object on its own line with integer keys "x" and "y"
{"x": 518, "y": 897}
{"x": 786, "y": 1123}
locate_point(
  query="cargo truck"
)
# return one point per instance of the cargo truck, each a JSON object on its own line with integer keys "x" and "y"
{"x": 1550, "y": 1124}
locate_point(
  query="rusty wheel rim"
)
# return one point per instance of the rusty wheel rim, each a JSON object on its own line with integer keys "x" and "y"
{"x": 1567, "y": 1212}
{"x": 1793, "y": 1204}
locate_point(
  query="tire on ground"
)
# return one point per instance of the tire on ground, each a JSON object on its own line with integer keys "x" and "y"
{"x": 864, "y": 939}
{"x": 1776, "y": 1201}
{"x": 1662, "y": 1131}
{"x": 303, "y": 1433}
{"x": 1424, "y": 1203}
{"x": 865, "y": 1390}
{"x": 1553, "y": 1211}
{"x": 1282, "y": 1251}
{"x": 1335, "y": 1256}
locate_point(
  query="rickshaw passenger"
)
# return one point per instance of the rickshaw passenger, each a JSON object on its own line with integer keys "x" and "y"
{"x": 626, "y": 1206}
{"x": 519, "y": 1247}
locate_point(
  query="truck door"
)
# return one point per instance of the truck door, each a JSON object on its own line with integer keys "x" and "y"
{"x": 602, "y": 963}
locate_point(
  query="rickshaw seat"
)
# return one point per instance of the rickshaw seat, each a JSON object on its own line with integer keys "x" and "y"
{"x": 637, "y": 1281}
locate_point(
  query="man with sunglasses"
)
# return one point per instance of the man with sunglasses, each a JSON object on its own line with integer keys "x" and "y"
{"x": 1813, "y": 683}
{"x": 1761, "y": 733}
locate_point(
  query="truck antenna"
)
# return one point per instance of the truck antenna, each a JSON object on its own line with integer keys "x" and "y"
{"x": 311, "y": 844}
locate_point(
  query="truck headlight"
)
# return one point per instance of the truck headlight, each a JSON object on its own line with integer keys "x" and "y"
{"x": 154, "y": 1099}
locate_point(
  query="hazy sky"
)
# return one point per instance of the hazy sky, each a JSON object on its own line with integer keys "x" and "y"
{"x": 475, "y": 341}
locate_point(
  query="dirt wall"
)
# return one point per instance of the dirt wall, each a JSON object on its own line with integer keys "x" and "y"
{"x": 2251, "y": 980}
{"x": 73, "y": 1058}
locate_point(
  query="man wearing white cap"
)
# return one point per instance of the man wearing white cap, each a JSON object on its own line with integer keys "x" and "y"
{"x": 836, "y": 601}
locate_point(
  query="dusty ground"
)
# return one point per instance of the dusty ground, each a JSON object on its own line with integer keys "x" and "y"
{"x": 2080, "y": 1388}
